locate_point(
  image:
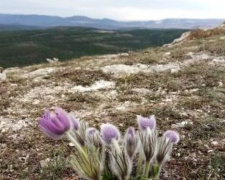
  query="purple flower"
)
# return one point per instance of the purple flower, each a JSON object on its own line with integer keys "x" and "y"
{"x": 164, "y": 149}
{"x": 55, "y": 124}
{"x": 173, "y": 136}
{"x": 75, "y": 122}
{"x": 131, "y": 132}
{"x": 109, "y": 132}
{"x": 90, "y": 132}
{"x": 93, "y": 137}
{"x": 148, "y": 141}
{"x": 131, "y": 141}
{"x": 145, "y": 123}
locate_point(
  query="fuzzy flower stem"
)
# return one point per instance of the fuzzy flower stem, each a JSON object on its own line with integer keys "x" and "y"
{"x": 155, "y": 171}
{"x": 139, "y": 168}
{"x": 76, "y": 144}
{"x": 146, "y": 171}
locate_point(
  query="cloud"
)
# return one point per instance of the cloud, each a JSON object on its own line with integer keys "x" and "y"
{"x": 120, "y": 10}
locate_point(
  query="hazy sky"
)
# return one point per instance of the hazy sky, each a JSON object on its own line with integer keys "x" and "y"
{"x": 118, "y": 9}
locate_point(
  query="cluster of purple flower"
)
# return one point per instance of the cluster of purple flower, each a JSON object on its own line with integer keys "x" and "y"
{"x": 99, "y": 155}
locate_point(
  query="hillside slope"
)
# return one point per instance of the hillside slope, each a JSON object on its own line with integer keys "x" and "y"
{"x": 22, "y": 48}
{"x": 182, "y": 83}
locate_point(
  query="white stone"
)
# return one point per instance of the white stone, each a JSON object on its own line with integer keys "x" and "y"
{"x": 165, "y": 67}
{"x": 13, "y": 125}
{"x": 219, "y": 61}
{"x": 44, "y": 163}
{"x": 98, "y": 85}
{"x": 39, "y": 72}
{"x": 142, "y": 90}
{"x": 2, "y": 76}
{"x": 190, "y": 54}
{"x": 210, "y": 151}
{"x": 166, "y": 54}
{"x": 214, "y": 143}
{"x": 220, "y": 84}
{"x": 71, "y": 145}
{"x": 182, "y": 124}
{"x": 121, "y": 69}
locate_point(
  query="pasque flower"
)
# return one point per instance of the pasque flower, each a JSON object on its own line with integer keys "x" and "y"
{"x": 55, "y": 124}
{"x": 173, "y": 136}
{"x": 75, "y": 122}
{"x": 105, "y": 155}
{"x": 93, "y": 137}
{"x": 131, "y": 141}
{"x": 145, "y": 122}
{"x": 165, "y": 145}
{"x": 109, "y": 132}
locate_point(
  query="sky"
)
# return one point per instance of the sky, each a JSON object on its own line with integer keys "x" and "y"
{"x": 118, "y": 9}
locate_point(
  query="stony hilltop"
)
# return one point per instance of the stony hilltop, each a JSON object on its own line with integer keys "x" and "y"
{"x": 182, "y": 83}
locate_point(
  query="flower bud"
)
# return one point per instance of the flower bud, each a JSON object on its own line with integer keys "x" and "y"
{"x": 131, "y": 141}
{"x": 109, "y": 132}
{"x": 145, "y": 123}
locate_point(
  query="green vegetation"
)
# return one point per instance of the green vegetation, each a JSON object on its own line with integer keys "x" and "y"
{"x": 20, "y": 48}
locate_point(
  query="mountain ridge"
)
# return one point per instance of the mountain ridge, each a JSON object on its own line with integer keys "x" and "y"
{"x": 105, "y": 23}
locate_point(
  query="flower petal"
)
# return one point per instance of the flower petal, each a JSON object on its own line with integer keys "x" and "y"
{"x": 173, "y": 136}
{"x": 109, "y": 132}
{"x": 145, "y": 123}
{"x": 64, "y": 118}
{"x": 75, "y": 122}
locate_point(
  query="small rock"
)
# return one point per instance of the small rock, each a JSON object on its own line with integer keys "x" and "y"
{"x": 182, "y": 124}
{"x": 210, "y": 151}
{"x": 190, "y": 55}
{"x": 220, "y": 84}
{"x": 206, "y": 146}
{"x": 71, "y": 145}
{"x": 214, "y": 143}
{"x": 98, "y": 85}
{"x": 44, "y": 163}
{"x": 166, "y": 54}
{"x": 36, "y": 101}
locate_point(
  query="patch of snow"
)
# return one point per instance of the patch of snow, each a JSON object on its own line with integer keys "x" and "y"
{"x": 96, "y": 86}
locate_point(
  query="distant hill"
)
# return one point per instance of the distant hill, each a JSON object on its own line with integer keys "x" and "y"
{"x": 82, "y": 21}
{"x": 20, "y": 48}
{"x": 4, "y": 27}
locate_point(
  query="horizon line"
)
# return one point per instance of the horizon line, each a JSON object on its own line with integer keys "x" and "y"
{"x": 185, "y": 18}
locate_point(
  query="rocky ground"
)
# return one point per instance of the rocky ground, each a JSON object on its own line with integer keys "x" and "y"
{"x": 182, "y": 83}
